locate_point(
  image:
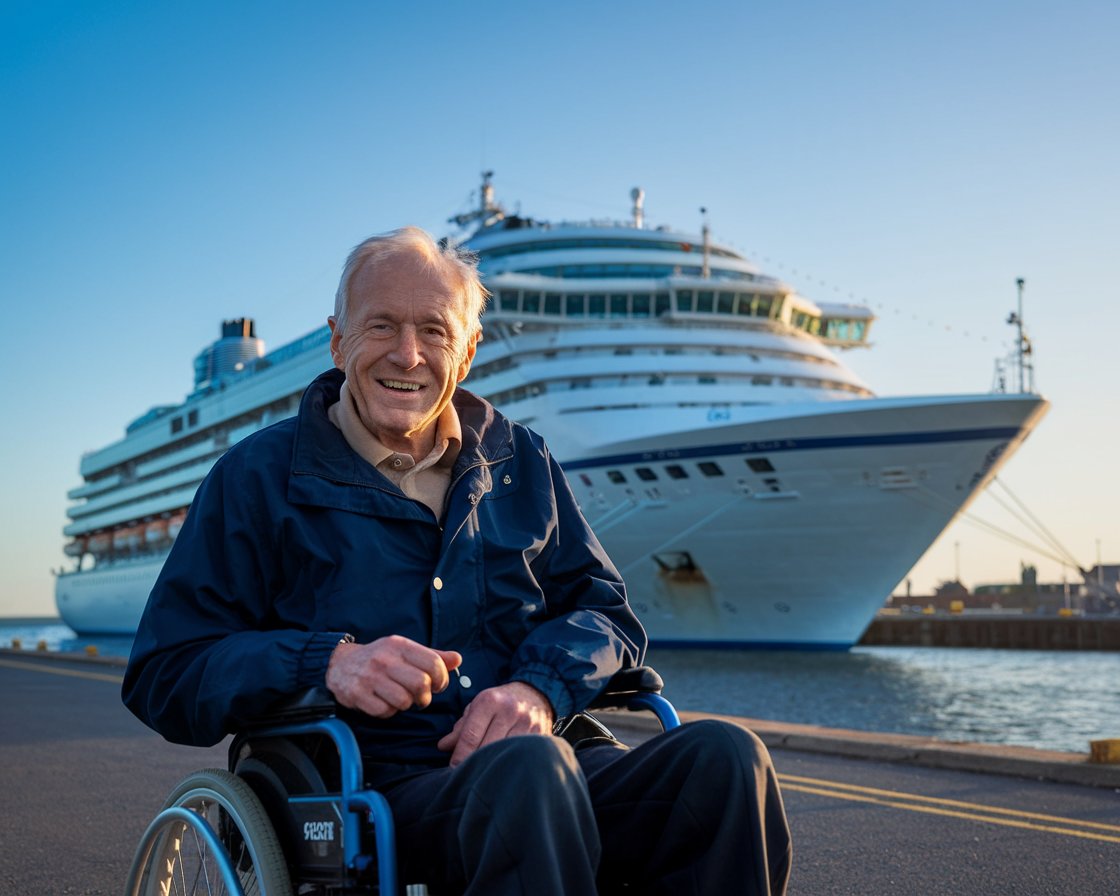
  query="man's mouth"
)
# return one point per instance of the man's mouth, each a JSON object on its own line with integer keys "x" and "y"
{"x": 400, "y": 386}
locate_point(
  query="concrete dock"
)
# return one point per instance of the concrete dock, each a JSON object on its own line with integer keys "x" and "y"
{"x": 870, "y": 813}
{"x": 1014, "y": 632}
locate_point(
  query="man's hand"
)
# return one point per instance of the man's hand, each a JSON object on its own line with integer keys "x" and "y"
{"x": 496, "y": 713}
{"x": 388, "y": 676}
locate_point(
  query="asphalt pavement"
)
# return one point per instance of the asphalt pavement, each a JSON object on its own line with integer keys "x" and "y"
{"x": 81, "y": 778}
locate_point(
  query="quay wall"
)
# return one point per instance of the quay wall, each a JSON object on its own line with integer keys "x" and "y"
{"x": 1012, "y": 632}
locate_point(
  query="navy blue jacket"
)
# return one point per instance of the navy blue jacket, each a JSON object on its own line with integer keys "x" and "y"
{"x": 294, "y": 540}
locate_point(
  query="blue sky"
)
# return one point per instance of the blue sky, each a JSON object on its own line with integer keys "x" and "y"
{"x": 165, "y": 166}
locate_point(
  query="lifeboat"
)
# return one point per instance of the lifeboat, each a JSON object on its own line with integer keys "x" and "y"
{"x": 127, "y": 538}
{"x": 99, "y": 543}
{"x": 155, "y": 532}
{"x": 176, "y": 523}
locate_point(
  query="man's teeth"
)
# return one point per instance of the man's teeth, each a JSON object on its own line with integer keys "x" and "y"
{"x": 397, "y": 384}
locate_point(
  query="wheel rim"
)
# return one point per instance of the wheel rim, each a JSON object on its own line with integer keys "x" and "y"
{"x": 187, "y": 866}
{"x": 243, "y": 850}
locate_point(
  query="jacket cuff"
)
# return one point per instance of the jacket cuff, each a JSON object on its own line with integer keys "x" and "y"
{"x": 315, "y": 657}
{"x": 545, "y": 680}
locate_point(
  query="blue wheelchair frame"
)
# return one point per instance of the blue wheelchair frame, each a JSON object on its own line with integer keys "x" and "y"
{"x": 635, "y": 689}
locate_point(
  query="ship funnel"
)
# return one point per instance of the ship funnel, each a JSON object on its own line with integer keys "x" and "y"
{"x": 238, "y": 347}
{"x": 639, "y": 197}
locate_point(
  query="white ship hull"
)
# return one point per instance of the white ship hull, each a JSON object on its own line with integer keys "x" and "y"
{"x": 109, "y": 599}
{"x": 804, "y": 555}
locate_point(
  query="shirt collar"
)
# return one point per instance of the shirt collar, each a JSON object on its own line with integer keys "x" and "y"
{"x": 344, "y": 415}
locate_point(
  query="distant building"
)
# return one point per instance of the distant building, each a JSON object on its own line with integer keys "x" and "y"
{"x": 1099, "y": 592}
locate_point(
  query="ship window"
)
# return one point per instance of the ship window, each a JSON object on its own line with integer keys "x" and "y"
{"x": 618, "y": 306}
{"x": 531, "y": 303}
{"x": 684, "y": 300}
{"x": 615, "y": 476}
{"x": 192, "y": 418}
{"x": 574, "y": 306}
{"x": 645, "y": 474}
{"x": 642, "y": 304}
{"x": 745, "y": 302}
{"x": 760, "y": 465}
{"x": 762, "y": 308}
{"x": 726, "y": 302}
{"x": 761, "y": 380}
{"x": 552, "y": 303}
{"x": 507, "y": 300}
{"x": 661, "y": 304}
{"x": 707, "y": 380}
{"x": 705, "y": 301}
{"x": 710, "y": 468}
{"x": 176, "y": 424}
{"x": 676, "y": 471}
{"x": 597, "y": 305}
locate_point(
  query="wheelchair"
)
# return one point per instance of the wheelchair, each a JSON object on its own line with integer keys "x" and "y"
{"x": 291, "y": 817}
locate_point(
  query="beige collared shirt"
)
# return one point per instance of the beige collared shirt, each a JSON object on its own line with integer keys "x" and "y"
{"x": 426, "y": 480}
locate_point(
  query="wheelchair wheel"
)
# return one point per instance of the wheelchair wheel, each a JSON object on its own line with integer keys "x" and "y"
{"x": 179, "y": 862}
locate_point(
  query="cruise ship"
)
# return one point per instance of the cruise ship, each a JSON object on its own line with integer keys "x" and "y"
{"x": 752, "y": 490}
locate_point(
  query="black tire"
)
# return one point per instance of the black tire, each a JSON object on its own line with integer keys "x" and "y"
{"x": 179, "y": 864}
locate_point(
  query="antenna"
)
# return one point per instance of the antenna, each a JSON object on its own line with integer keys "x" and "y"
{"x": 488, "y": 211}
{"x": 1023, "y": 348}
{"x": 639, "y": 197}
{"x": 706, "y": 232}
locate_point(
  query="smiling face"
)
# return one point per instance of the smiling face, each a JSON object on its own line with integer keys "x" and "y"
{"x": 404, "y": 346}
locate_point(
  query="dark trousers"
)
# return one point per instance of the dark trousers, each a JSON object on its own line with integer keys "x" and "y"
{"x": 694, "y": 811}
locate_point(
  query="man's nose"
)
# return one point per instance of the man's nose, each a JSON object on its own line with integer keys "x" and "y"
{"x": 406, "y": 349}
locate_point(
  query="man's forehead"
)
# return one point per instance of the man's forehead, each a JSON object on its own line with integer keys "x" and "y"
{"x": 406, "y": 275}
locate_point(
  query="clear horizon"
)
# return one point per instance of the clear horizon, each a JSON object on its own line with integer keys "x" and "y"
{"x": 167, "y": 168}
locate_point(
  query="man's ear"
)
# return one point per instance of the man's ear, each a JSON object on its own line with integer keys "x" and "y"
{"x": 336, "y": 343}
{"x": 472, "y": 347}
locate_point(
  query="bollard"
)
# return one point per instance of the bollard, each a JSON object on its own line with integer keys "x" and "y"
{"x": 17, "y": 644}
{"x": 41, "y": 646}
{"x": 1105, "y": 752}
{"x": 91, "y": 650}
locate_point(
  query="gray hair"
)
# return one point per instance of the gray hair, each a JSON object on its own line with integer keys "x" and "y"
{"x": 457, "y": 264}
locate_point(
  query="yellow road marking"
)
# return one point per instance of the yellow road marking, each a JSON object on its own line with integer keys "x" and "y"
{"x": 54, "y": 670}
{"x": 1054, "y": 824}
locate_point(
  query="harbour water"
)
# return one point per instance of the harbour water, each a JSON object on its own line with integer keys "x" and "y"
{"x": 1056, "y": 700}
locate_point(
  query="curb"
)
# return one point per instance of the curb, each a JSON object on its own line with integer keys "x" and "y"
{"x": 905, "y": 749}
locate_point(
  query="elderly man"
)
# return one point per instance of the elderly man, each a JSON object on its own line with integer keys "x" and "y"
{"x": 405, "y": 545}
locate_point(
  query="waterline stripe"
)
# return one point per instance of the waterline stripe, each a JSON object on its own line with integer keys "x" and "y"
{"x": 1054, "y": 824}
{"x": 772, "y": 446}
{"x": 54, "y": 670}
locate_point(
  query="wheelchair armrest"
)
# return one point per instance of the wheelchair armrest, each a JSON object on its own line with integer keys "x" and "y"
{"x": 625, "y": 683}
{"x": 302, "y": 706}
